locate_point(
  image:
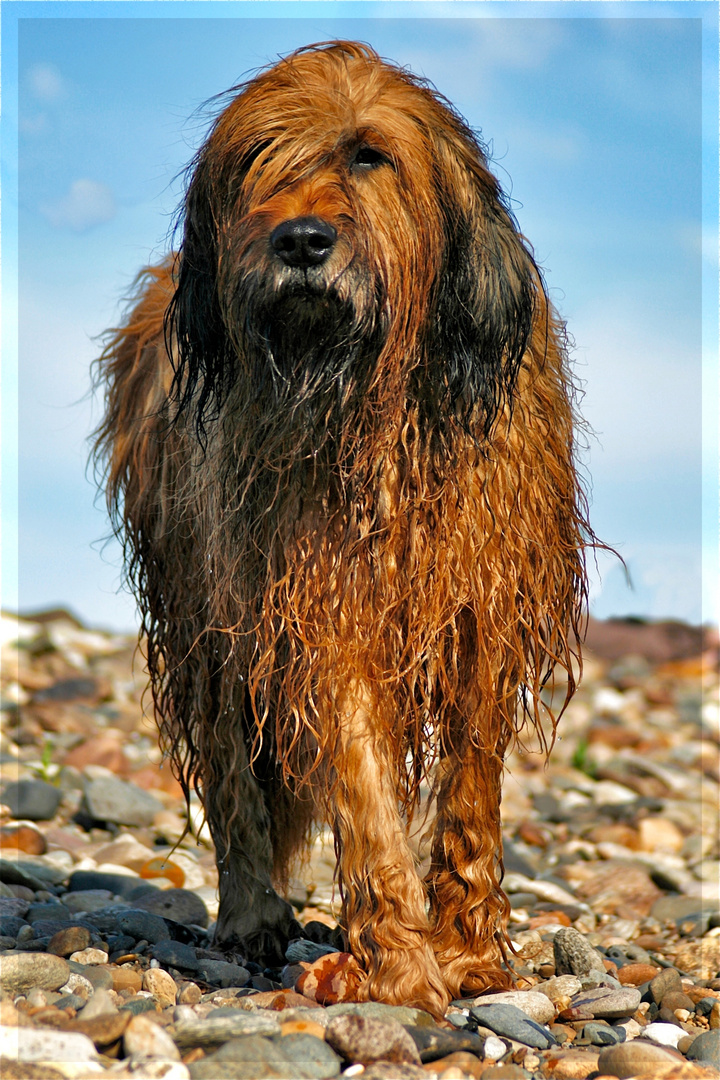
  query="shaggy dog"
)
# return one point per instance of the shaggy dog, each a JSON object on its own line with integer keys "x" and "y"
{"x": 338, "y": 447}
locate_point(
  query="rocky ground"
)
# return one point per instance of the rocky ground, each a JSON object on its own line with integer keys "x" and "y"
{"x": 106, "y": 908}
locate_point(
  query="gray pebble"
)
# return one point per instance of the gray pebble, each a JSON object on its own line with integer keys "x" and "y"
{"x": 433, "y": 1043}
{"x": 364, "y": 1039}
{"x": 139, "y": 925}
{"x": 303, "y": 951}
{"x": 574, "y": 955}
{"x": 180, "y": 905}
{"x": 606, "y": 1002}
{"x": 509, "y": 1021}
{"x": 138, "y": 1006}
{"x": 55, "y": 913}
{"x": 634, "y": 954}
{"x": 44, "y": 930}
{"x": 99, "y": 977}
{"x": 213, "y": 1031}
{"x": 184, "y": 1014}
{"x": 11, "y": 925}
{"x": 404, "y": 1014}
{"x": 175, "y": 954}
{"x": 292, "y": 1058}
{"x": 70, "y": 1001}
{"x": 11, "y": 905}
{"x": 706, "y": 1047}
{"x": 87, "y": 900}
{"x": 22, "y": 871}
{"x": 674, "y": 908}
{"x": 210, "y": 1069}
{"x": 602, "y": 1034}
{"x": 297, "y": 1057}
{"x": 314, "y": 1056}
{"x": 31, "y": 800}
{"x": 98, "y": 881}
{"x": 118, "y": 801}
{"x": 220, "y": 973}
{"x": 143, "y": 926}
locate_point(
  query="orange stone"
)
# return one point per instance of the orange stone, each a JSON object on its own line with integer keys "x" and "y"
{"x": 103, "y": 750}
{"x": 636, "y": 974}
{"x": 302, "y": 1027}
{"x": 549, "y": 918}
{"x": 161, "y": 867}
{"x": 154, "y": 778}
{"x": 126, "y": 978}
{"x": 331, "y": 979}
{"x": 23, "y": 838}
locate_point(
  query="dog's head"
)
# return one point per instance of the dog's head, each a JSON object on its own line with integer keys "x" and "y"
{"x": 342, "y": 230}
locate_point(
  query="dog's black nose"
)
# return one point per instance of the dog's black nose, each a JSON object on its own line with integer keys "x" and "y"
{"x": 303, "y": 241}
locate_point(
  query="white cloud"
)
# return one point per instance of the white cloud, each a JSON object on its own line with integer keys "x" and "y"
{"x": 562, "y": 144}
{"x": 666, "y": 581}
{"x": 87, "y": 204}
{"x": 642, "y": 390}
{"x": 45, "y": 82}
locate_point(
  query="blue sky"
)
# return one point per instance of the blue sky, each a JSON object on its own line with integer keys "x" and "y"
{"x": 602, "y": 120}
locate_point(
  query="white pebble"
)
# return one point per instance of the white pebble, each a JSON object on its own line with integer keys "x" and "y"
{"x": 78, "y": 984}
{"x": 494, "y": 1048}
{"x": 44, "y": 1044}
{"x": 537, "y": 1006}
{"x": 90, "y": 956}
{"x": 664, "y": 1034}
{"x": 144, "y": 1038}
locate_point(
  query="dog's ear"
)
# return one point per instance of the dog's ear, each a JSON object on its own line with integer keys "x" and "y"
{"x": 486, "y": 294}
{"x": 194, "y": 327}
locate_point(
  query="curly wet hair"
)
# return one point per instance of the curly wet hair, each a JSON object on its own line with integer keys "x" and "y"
{"x": 338, "y": 448}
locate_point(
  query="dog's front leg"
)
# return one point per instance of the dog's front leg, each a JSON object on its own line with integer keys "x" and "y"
{"x": 384, "y": 900}
{"x": 252, "y": 920}
{"x": 468, "y": 908}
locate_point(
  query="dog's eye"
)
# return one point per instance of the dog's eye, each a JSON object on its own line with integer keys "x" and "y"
{"x": 366, "y": 158}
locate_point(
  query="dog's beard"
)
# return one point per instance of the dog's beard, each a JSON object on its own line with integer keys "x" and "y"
{"x": 310, "y": 350}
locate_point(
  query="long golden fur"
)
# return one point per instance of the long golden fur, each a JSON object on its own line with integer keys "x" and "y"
{"x": 338, "y": 447}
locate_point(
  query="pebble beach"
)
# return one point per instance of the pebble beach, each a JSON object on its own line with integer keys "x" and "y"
{"x": 107, "y": 900}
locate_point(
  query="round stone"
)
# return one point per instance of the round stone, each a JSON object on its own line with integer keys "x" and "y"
{"x": 34, "y": 800}
{"x": 574, "y": 955}
{"x": 638, "y": 1056}
{"x": 180, "y": 905}
{"x": 161, "y": 985}
{"x": 364, "y": 1039}
{"x": 668, "y": 980}
{"x": 69, "y": 941}
{"x": 144, "y": 1038}
{"x": 706, "y": 1047}
{"x": 20, "y": 972}
{"x": 126, "y": 978}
